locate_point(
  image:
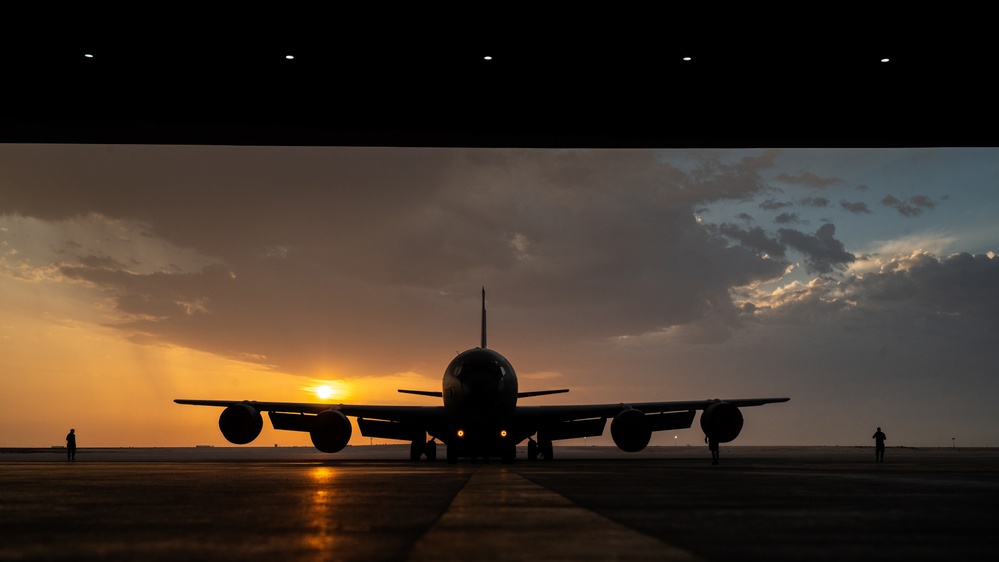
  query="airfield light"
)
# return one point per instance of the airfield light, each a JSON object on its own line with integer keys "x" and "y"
{"x": 502, "y": 433}
{"x": 461, "y": 433}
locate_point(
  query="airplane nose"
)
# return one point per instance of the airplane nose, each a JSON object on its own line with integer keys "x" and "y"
{"x": 481, "y": 379}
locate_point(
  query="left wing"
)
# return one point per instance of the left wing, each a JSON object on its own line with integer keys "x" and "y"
{"x": 327, "y": 424}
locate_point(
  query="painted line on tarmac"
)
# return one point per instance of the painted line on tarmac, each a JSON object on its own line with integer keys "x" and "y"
{"x": 500, "y": 515}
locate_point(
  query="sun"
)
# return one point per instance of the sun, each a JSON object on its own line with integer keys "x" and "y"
{"x": 324, "y": 391}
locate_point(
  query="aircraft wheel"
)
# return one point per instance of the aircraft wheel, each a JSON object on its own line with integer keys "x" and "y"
{"x": 547, "y": 451}
{"x": 415, "y": 449}
{"x": 431, "y": 450}
{"x": 532, "y": 450}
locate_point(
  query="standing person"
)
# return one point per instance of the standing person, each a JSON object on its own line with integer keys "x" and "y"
{"x": 71, "y": 445}
{"x": 879, "y": 446}
{"x": 713, "y": 445}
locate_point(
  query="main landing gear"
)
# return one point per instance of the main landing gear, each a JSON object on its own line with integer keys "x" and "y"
{"x": 540, "y": 448}
{"x": 417, "y": 449}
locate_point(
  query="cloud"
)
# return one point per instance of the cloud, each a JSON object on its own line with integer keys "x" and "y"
{"x": 914, "y": 208}
{"x": 823, "y": 253}
{"x": 858, "y": 207}
{"x": 919, "y": 287}
{"x": 808, "y": 179}
{"x": 787, "y": 218}
{"x": 282, "y": 245}
{"x": 755, "y": 238}
{"x": 814, "y": 202}
{"x": 773, "y": 205}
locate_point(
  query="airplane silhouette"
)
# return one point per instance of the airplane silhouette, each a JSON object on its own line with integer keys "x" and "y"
{"x": 480, "y": 417}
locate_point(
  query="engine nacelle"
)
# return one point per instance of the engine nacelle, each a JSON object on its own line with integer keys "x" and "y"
{"x": 722, "y": 422}
{"x": 240, "y": 423}
{"x": 630, "y": 431}
{"x": 330, "y": 431}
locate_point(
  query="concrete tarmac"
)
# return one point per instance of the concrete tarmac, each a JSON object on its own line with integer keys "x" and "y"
{"x": 590, "y": 503}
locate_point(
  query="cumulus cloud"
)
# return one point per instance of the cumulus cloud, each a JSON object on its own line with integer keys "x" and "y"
{"x": 914, "y": 291}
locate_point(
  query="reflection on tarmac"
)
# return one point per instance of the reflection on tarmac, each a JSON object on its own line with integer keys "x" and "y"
{"x": 761, "y": 504}
{"x": 320, "y": 510}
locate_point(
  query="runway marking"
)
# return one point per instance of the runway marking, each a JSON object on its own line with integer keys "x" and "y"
{"x": 500, "y": 515}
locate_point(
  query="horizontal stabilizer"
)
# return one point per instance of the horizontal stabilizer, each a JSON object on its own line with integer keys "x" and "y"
{"x": 541, "y": 392}
{"x": 423, "y": 393}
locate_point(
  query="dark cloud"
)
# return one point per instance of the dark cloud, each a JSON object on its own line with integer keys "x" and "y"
{"x": 773, "y": 205}
{"x": 958, "y": 284}
{"x": 814, "y": 202}
{"x": 858, "y": 207}
{"x": 787, "y": 218}
{"x": 577, "y": 243}
{"x": 913, "y": 208}
{"x": 823, "y": 253}
{"x": 745, "y": 217}
{"x": 755, "y": 238}
{"x": 808, "y": 179}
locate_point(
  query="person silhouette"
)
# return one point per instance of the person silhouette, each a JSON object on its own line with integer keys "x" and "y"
{"x": 71, "y": 445}
{"x": 879, "y": 445}
{"x": 713, "y": 446}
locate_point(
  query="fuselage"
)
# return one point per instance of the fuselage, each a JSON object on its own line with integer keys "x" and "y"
{"x": 480, "y": 395}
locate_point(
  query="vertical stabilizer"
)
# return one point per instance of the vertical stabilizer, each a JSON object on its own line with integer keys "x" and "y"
{"x": 483, "y": 318}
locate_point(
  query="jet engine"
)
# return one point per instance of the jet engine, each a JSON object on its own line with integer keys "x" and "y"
{"x": 630, "y": 431}
{"x": 240, "y": 423}
{"x": 721, "y": 421}
{"x": 330, "y": 431}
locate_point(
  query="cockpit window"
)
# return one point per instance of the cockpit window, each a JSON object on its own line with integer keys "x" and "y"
{"x": 491, "y": 368}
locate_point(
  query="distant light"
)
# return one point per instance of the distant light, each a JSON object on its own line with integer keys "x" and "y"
{"x": 886, "y": 59}
{"x": 686, "y": 58}
{"x": 289, "y": 57}
{"x": 89, "y": 56}
{"x": 487, "y": 57}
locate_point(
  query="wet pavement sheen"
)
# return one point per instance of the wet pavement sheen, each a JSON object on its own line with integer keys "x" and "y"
{"x": 759, "y": 504}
